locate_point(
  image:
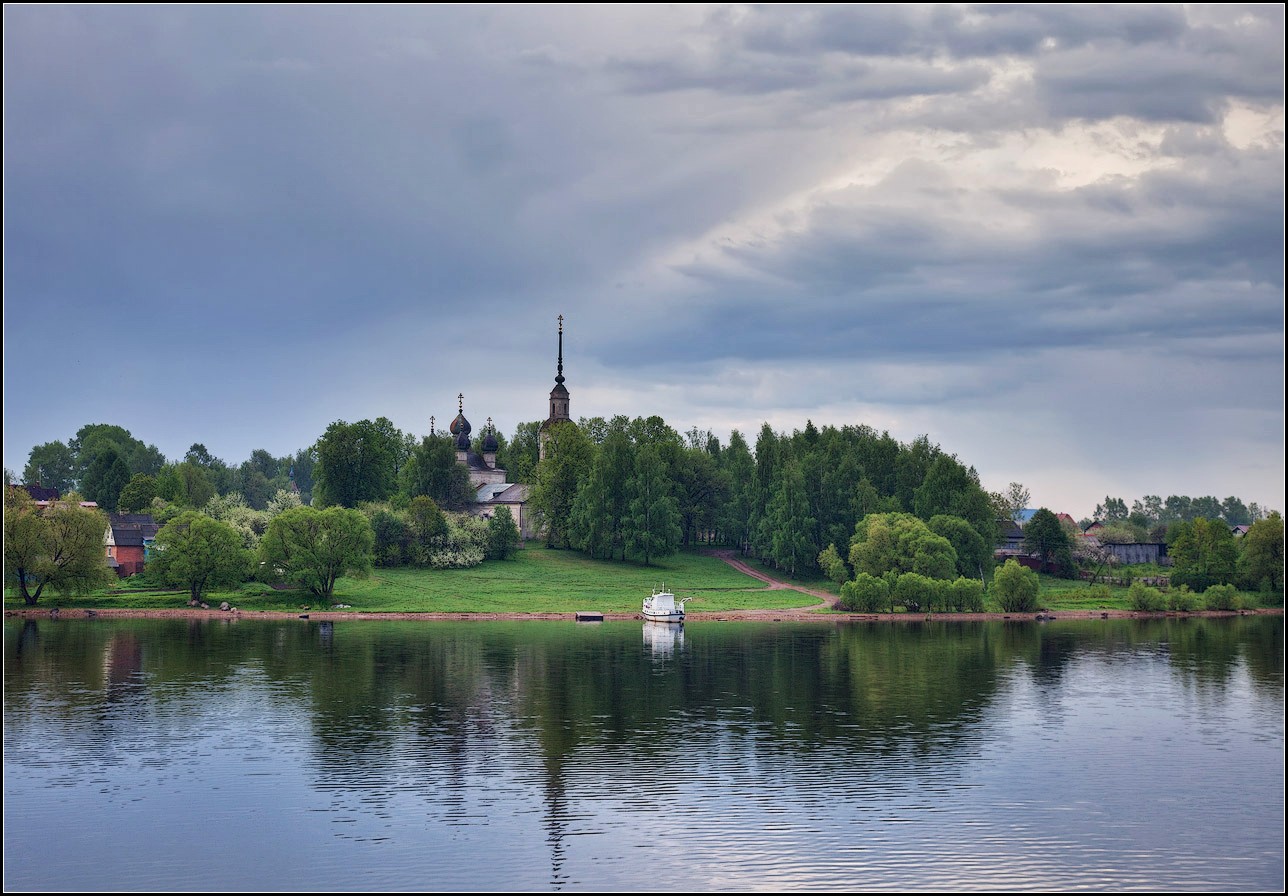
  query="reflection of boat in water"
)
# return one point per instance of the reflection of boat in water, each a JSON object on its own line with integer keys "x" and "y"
{"x": 663, "y": 638}
{"x": 661, "y": 607}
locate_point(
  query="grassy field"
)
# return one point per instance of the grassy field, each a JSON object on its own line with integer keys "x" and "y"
{"x": 539, "y": 580}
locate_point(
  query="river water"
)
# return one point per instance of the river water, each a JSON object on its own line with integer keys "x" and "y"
{"x": 260, "y": 755}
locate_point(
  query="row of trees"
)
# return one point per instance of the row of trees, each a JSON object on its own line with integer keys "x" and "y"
{"x": 366, "y": 461}
{"x": 1204, "y": 552}
{"x": 616, "y": 489}
{"x": 1152, "y": 511}
{"x": 635, "y": 489}
{"x": 108, "y": 465}
{"x": 60, "y": 546}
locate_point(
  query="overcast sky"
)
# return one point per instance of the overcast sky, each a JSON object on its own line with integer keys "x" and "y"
{"x": 1050, "y": 238}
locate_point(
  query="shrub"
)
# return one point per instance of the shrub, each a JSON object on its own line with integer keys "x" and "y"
{"x": 866, "y": 594}
{"x": 1144, "y": 598}
{"x": 1181, "y": 600}
{"x": 968, "y": 595}
{"x": 1222, "y": 597}
{"x": 833, "y": 566}
{"x": 913, "y": 591}
{"x": 1015, "y": 587}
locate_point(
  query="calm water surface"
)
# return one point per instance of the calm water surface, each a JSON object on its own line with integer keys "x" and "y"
{"x": 543, "y": 756}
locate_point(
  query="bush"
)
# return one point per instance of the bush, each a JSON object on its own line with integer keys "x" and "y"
{"x": 914, "y": 591}
{"x": 1222, "y": 597}
{"x": 1181, "y": 600}
{"x": 1145, "y": 599}
{"x": 1015, "y": 587}
{"x": 968, "y": 595}
{"x": 866, "y": 594}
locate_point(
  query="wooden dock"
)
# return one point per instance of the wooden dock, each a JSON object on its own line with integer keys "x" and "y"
{"x": 588, "y": 616}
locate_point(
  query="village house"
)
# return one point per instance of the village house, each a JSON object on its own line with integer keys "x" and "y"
{"x": 128, "y": 542}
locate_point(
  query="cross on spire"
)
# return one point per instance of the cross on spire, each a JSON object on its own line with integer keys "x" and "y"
{"x": 460, "y": 402}
{"x": 559, "y": 377}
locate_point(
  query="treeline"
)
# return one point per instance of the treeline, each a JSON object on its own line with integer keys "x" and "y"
{"x": 618, "y": 488}
{"x": 108, "y": 465}
{"x": 636, "y": 489}
{"x": 1149, "y": 518}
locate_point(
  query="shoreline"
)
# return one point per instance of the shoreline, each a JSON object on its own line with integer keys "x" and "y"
{"x": 800, "y": 614}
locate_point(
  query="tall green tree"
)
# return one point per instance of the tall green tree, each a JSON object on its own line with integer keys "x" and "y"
{"x": 699, "y": 490}
{"x": 899, "y": 543}
{"x": 427, "y": 529}
{"x": 519, "y": 456}
{"x": 1017, "y": 499}
{"x": 391, "y": 535}
{"x": 93, "y": 439}
{"x": 1203, "y": 553}
{"x": 138, "y": 493}
{"x": 185, "y": 484}
{"x": 502, "y": 535}
{"x": 311, "y": 548}
{"x": 596, "y": 524}
{"x": 52, "y": 465}
{"x": 652, "y": 527}
{"x": 1046, "y": 539}
{"x": 1114, "y": 509}
{"x": 199, "y": 553}
{"x": 59, "y": 547}
{"x": 356, "y": 462}
{"x": 569, "y": 455}
{"x": 952, "y": 489}
{"x": 974, "y": 557}
{"x": 1261, "y": 555}
{"x": 107, "y": 475}
{"x": 791, "y": 528}
{"x": 738, "y": 469}
{"x": 431, "y": 470}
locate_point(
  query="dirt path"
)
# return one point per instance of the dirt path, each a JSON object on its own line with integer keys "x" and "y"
{"x": 775, "y": 584}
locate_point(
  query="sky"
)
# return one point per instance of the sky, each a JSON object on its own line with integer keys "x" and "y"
{"x": 1049, "y": 238}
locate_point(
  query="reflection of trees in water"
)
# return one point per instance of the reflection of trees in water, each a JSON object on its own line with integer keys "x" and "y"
{"x": 1209, "y": 651}
{"x": 437, "y": 691}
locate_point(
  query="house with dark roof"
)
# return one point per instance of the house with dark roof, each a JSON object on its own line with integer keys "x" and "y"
{"x": 128, "y": 541}
{"x": 1010, "y": 537}
{"x": 39, "y": 493}
{"x": 46, "y": 496}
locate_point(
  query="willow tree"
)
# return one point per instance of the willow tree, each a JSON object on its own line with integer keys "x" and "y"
{"x": 59, "y": 546}
{"x": 197, "y": 552}
{"x": 311, "y": 548}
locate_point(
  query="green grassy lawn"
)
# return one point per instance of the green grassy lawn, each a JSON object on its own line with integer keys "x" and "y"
{"x": 537, "y": 580}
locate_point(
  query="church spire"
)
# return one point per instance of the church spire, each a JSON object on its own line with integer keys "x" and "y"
{"x": 558, "y": 398}
{"x": 559, "y": 377}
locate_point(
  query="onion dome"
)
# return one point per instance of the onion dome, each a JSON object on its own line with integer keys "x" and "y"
{"x": 489, "y": 440}
{"x": 460, "y": 426}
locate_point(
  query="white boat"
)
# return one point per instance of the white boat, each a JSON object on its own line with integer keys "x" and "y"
{"x": 661, "y": 607}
